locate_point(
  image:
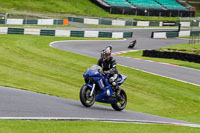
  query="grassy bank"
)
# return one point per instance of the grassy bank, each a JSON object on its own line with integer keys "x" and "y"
{"x": 128, "y": 27}
{"x": 27, "y": 62}
{"x": 186, "y": 48}
{"x": 183, "y": 48}
{"x": 9, "y": 126}
{"x": 76, "y": 7}
{"x": 41, "y": 26}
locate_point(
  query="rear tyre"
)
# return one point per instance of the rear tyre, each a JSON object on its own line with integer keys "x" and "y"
{"x": 119, "y": 105}
{"x": 85, "y": 97}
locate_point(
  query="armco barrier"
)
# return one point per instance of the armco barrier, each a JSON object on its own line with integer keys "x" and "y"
{"x": 47, "y": 32}
{"x": 194, "y": 23}
{"x": 73, "y": 19}
{"x": 64, "y": 33}
{"x": 105, "y": 22}
{"x": 143, "y": 23}
{"x": 91, "y": 21}
{"x": 171, "y": 34}
{"x": 34, "y": 21}
{"x": 99, "y": 21}
{"x": 15, "y": 31}
{"x": 154, "y": 23}
{"x": 172, "y": 55}
{"x": 158, "y": 35}
{"x": 131, "y": 23}
{"x": 127, "y": 34}
{"x": 136, "y": 23}
{"x": 77, "y": 34}
{"x": 45, "y": 21}
{"x": 15, "y": 21}
{"x": 184, "y": 33}
{"x": 30, "y": 31}
{"x": 185, "y": 24}
{"x": 118, "y": 22}
{"x": 91, "y": 34}
{"x": 29, "y": 21}
{"x": 195, "y": 33}
{"x": 2, "y": 21}
{"x": 117, "y": 35}
{"x": 105, "y": 34}
{"x": 58, "y": 22}
{"x": 3, "y": 30}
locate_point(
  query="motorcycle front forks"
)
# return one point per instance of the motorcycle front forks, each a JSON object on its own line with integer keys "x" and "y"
{"x": 92, "y": 89}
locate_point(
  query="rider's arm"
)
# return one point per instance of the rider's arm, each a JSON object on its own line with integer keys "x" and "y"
{"x": 99, "y": 62}
{"x": 113, "y": 69}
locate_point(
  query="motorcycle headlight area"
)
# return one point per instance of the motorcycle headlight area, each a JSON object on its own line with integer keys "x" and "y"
{"x": 88, "y": 79}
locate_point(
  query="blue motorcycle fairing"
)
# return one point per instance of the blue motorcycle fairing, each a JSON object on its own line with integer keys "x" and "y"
{"x": 103, "y": 87}
{"x": 89, "y": 85}
{"x": 93, "y": 71}
{"x": 103, "y": 96}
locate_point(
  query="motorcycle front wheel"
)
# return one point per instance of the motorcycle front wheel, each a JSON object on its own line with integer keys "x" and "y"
{"x": 85, "y": 97}
{"x": 119, "y": 105}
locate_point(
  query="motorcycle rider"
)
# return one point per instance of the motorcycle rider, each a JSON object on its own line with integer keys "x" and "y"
{"x": 108, "y": 64}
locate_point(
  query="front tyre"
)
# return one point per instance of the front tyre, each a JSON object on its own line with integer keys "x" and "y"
{"x": 85, "y": 97}
{"x": 119, "y": 105}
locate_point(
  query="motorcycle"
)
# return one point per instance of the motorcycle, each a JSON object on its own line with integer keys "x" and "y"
{"x": 97, "y": 88}
{"x": 132, "y": 44}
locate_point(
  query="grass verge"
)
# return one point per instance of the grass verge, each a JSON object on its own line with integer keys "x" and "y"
{"x": 27, "y": 62}
{"x": 188, "y": 48}
{"x": 40, "y": 26}
{"x": 17, "y": 126}
{"x": 184, "y": 48}
{"x": 112, "y": 26}
{"x": 77, "y": 7}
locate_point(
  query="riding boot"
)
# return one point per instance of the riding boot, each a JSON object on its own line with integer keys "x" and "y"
{"x": 118, "y": 91}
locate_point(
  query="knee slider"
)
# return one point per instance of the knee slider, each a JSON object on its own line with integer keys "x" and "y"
{"x": 111, "y": 79}
{"x": 114, "y": 83}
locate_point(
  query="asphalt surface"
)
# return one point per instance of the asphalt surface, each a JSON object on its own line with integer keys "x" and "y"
{"x": 21, "y": 104}
{"x": 93, "y": 48}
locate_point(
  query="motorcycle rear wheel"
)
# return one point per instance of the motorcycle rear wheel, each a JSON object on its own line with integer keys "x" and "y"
{"x": 85, "y": 97}
{"x": 119, "y": 105}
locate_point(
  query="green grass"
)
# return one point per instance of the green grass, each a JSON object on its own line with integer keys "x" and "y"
{"x": 186, "y": 37}
{"x": 40, "y": 26}
{"x": 188, "y": 48}
{"x": 184, "y": 48}
{"x": 78, "y": 7}
{"x": 27, "y": 62}
{"x": 16, "y": 126}
{"x": 113, "y": 26}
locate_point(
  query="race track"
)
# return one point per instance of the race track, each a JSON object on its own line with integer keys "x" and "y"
{"x": 20, "y": 104}
{"x": 25, "y": 105}
{"x": 93, "y": 48}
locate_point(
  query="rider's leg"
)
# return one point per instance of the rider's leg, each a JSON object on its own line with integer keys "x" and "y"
{"x": 113, "y": 81}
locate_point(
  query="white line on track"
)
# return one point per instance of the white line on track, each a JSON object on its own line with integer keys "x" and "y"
{"x": 52, "y": 43}
{"x": 161, "y": 75}
{"x": 163, "y": 63}
{"x": 100, "y": 119}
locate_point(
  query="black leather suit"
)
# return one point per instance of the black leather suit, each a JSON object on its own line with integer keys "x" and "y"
{"x": 109, "y": 67}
